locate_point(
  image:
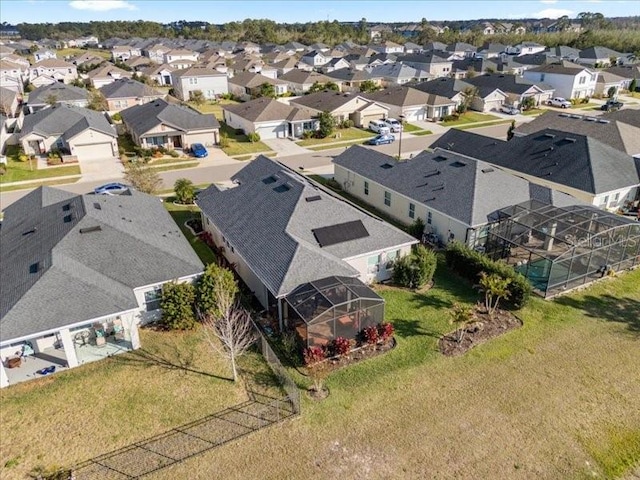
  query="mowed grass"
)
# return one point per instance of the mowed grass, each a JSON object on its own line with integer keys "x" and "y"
{"x": 213, "y": 107}
{"x": 30, "y": 185}
{"x": 339, "y": 135}
{"x": 182, "y": 214}
{"x": 72, "y": 416}
{"x": 17, "y": 171}
{"x": 482, "y": 125}
{"x": 239, "y": 143}
{"x": 470, "y": 117}
{"x": 557, "y": 398}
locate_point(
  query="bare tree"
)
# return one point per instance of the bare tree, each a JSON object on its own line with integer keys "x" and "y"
{"x": 231, "y": 332}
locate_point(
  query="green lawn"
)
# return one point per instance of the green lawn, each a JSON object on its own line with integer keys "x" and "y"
{"x": 239, "y": 144}
{"x": 49, "y": 183}
{"x": 17, "y": 171}
{"x": 180, "y": 216}
{"x": 213, "y": 107}
{"x": 581, "y": 106}
{"x": 410, "y": 128}
{"x": 339, "y": 135}
{"x": 331, "y": 146}
{"x": 470, "y": 117}
{"x": 481, "y": 125}
{"x": 423, "y": 132}
{"x": 533, "y": 111}
{"x": 179, "y": 166}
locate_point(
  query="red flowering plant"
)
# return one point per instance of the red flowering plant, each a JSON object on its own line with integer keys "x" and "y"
{"x": 313, "y": 355}
{"x": 370, "y": 335}
{"x": 385, "y": 331}
{"x": 340, "y": 346}
{"x": 316, "y": 366}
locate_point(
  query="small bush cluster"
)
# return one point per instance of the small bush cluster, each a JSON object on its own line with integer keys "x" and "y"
{"x": 450, "y": 118}
{"x": 313, "y": 355}
{"x": 253, "y": 137}
{"x": 415, "y": 270}
{"x": 370, "y": 335}
{"x": 340, "y": 346}
{"x": 470, "y": 264}
{"x": 347, "y": 124}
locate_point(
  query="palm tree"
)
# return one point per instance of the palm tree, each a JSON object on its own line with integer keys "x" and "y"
{"x": 460, "y": 314}
{"x": 494, "y": 287}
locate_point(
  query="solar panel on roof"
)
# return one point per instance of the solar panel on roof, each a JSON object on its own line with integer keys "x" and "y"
{"x": 339, "y": 233}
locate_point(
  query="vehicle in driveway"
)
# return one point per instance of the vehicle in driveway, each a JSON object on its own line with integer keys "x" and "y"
{"x": 199, "y": 150}
{"x": 381, "y": 139}
{"x": 510, "y": 109}
{"x": 379, "y": 126}
{"x": 559, "y": 102}
{"x": 111, "y": 189}
{"x": 611, "y": 106}
{"x": 394, "y": 125}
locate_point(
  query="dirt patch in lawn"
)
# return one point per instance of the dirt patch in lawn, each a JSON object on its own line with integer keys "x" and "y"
{"x": 482, "y": 329}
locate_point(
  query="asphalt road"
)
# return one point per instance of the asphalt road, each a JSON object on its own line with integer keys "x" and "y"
{"x": 222, "y": 172}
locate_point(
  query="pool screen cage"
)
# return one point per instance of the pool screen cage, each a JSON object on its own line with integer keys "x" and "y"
{"x": 560, "y": 248}
{"x": 332, "y": 307}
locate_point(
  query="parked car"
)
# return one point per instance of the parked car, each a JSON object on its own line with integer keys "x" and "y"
{"x": 381, "y": 139}
{"x": 199, "y": 150}
{"x": 394, "y": 125}
{"x": 379, "y": 126}
{"x": 510, "y": 109}
{"x": 611, "y": 106}
{"x": 559, "y": 102}
{"x": 111, "y": 189}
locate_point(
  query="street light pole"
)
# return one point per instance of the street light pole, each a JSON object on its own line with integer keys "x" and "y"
{"x": 400, "y": 142}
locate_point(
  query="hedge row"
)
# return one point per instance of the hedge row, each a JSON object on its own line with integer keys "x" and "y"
{"x": 469, "y": 264}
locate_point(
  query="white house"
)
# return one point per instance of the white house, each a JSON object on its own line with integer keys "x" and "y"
{"x": 44, "y": 55}
{"x": 210, "y": 82}
{"x": 180, "y": 54}
{"x": 60, "y": 70}
{"x": 567, "y": 81}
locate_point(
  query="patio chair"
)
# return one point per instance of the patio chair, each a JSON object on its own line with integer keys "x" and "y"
{"x": 27, "y": 350}
{"x": 118, "y": 330}
{"x": 98, "y": 330}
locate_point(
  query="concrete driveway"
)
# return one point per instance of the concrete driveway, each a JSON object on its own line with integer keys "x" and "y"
{"x": 284, "y": 147}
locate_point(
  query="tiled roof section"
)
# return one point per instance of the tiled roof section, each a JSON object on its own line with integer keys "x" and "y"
{"x": 253, "y": 80}
{"x": 65, "y": 120}
{"x": 53, "y": 63}
{"x": 265, "y": 109}
{"x": 558, "y": 69}
{"x": 326, "y": 100}
{"x": 269, "y": 222}
{"x": 142, "y": 118}
{"x": 127, "y": 88}
{"x": 569, "y": 159}
{"x": 400, "y": 96}
{"x": 61, "y": 92}
{"x": 196, "y": 72}
{"x": 302, "y": 76}
{"x": 55, "y": 273}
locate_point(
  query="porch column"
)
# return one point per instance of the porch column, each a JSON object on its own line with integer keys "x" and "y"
{"x": 69, "y": 349}
{"x": 280, "y": 316}
{"x": 4, "y": 380}
{"x": 131, "y": 326}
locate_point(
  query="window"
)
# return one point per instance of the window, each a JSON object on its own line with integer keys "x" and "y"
{"x": 542, "y": 77}
{"x": 373, "y": 264}
{"x": 152, "y": 299}
{"x": 412, "y": 210}
{"x": 617, "y": 197}
{"x": 605, "y": 202}
{"x": 429, "y": 218}
{"x": 391, "y": 258}
{"x": 193, "y": 81}
{"x": 582, "y": 80}
{"x": 387, "y": 199}
{"x": 366, "y": 188}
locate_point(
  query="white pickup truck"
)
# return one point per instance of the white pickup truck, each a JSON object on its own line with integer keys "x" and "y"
{"x": 559, "y": 102}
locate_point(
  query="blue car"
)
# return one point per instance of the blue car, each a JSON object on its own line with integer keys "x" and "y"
{"x": 111, "y": 189}
{"x": 381, "y": 139}
{"x": 199, "y": 150}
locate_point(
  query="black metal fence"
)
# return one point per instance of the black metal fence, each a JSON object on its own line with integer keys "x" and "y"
{"x": 181, "y": 443}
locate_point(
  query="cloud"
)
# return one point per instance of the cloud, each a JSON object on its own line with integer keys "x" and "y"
{"x": 552, "y": 13}
{"x": 549, "y": 1}
{"x": 102, "y": 5}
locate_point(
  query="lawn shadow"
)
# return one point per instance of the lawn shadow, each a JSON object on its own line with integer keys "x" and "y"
{"x": 145, "y": 358}
{"x": 607, "y": 307}
{"x": 412, "y": 328}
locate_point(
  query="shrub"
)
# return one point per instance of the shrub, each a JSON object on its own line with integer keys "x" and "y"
{"x": 116, "y": 117}
{"x": 347, "y": 124}
{"x": 313, "y": 355}
{"x": 177, "y": 306}
{"x": 469, "y": 264}
{"x": 415, "y": 270}
{"x": 253, "y": 137}
{"x": 450, "y": 118}
{"x": 385, "y": 331}
{"x": 307, "y": 134}
{"x": 340, "y": 346}
{"x": 224, "y": 140}
{"x": 173, "y": 153}
{"x": 370, "y": 335}
{"x": 185, "y": 191}
{"x": 416, "y": 229}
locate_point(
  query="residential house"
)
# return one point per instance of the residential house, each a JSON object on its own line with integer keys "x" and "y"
{"x": 387, "y": 47}
{"x": 210, "y": 82}
{"x": 120, "y": 53}
{"x": 471, "y": 66}
{"x": 299, "y": 81}
{"x": 378, "y": 31}
{"x": 13, "y": 75}
{"x": 321, "y": 47}
{"x": 89, "y": 41}
{"x": 180, "y": 54}
{"x": 411, "y": 47}
{"x": 57, "y": 69}
{"x": 516, "y": 88}
{"x": 44, "y": 55}
{"x": 525, "y": 48}
{"x": 80, "y": 273}
{"x": 106, "y": 74}
{"x": 350, "y": 79}
{"x": 315, "y": 59}
{"x": 87, "y": 59}
{"x": 342, "y": 106}
{"x": 281, "y": 231}
{"x": 4, "y": 135}
{"x": 450, "y": 88}
{"x": 610, "y": 129}
{"x": 335, "y": 63}
{"x": 431, "y": 63}
{"x": 159, "y": 74}
{"x": 6, "y": 50}
{"x": 598, "y": 57}
{"x": 608, "y": 80}
{"x": 487, "y": 28}
{"x": 17, "y": 59}
{"x": 247, "y": 85}
{"x": 76, "y": 131}
{"x": 159, "y": 123}
{"x": 575, "y": 164}
{"x": 413, "y": 105}
{"x": 568, "y": 81}
{"x": 409, "y": 31}
{"x": 397, "y": 74}
{"x": 156, "y": 52}
{"x": 491, "y": 50}
{"x": 138, "y": 63}
{"x": 9, "y": 103}
{"x": 269, "y": 118}
{"x": 627, "y": 72}
{"x": 564, "y": 52}
{"x": 57, "y": 93}
{"x": 461, "y": 50}
{"x": 125, "y": 93}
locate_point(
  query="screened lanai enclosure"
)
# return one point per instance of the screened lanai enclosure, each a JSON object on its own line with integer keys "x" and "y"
{"x": 332, "y": 307}
{"x": 560, "y": 248}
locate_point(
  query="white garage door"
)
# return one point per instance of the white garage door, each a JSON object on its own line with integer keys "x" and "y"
{"x": 94, "y": 152}
{"x": 492, "y": 105}
{"x": 279, "y": 131}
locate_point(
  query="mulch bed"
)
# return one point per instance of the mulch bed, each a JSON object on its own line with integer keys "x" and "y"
{"x": 360, "y": 354}
{"x": 482, "y": 329}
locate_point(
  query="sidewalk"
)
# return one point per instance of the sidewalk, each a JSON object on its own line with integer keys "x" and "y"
{"x": 284, "y": 147}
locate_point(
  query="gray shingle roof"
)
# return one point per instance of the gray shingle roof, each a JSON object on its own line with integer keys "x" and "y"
{"x": 400, "y": 95}
{"x": 573, "y": 160}
{"x": 505, "y": 83}
{"x": 142, "y": 118}
{"x": 271, "y": 229}
{"x": 127, "y": 88}
{"x": 62, "y": 93}
{"x": 302, "y": 76}
{"x": 265, "y": 109}
{"x": 65, "y": 120}
{"x": 253, "y": 80}
{"x": 81, "y": 276}
{"x": 468, "y": 190}
{"x": 325, "y": 101}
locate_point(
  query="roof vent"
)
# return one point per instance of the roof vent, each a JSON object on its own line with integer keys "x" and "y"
{"x": 569, "y": 140}
{"x": 430, "y": 199}
{"x": 458, "y": 164}
{"x": 440, "y": 158}
{"x": 438, "y": 188}
{"x": 315, "y": 198}
{"x": 565, "y": 115}
{"x": 549, "y": 135}
{"x": 68, "y": 218}
{"x": 601, "y": 120}
{"x": 66, "y": 207}
{"x": 488, "y": 170}
{"x": 29, "y": 232}
{"x": 573, "y": 115}
{"x": 97, "y": 206}
{"x": 285, "y": 187}
{"x": 386, "y": 166}
{"x": 97, "y": 228}
{"x": 34, "y": 267}
{"x": 271, "y": 179}
{"x": 590, "y": 119}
